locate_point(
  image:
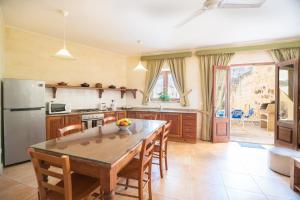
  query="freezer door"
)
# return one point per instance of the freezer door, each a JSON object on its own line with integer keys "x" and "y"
{"x": 22, "y": 128}
{"x": 23, "y": 93}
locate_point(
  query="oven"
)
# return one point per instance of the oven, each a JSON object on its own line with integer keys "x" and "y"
{"x": 92, "y": 120}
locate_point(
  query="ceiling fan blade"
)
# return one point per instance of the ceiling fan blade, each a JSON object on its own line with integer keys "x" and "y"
{"x": 190, "y": 18}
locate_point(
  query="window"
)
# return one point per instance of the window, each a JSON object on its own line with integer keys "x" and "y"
{"x": 164, "y": 89}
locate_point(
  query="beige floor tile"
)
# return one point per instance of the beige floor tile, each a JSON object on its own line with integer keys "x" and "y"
{"x": 240, "y": 181}
{"x": 209, "y": 192}
{"x": 235, "y": 194}
{"x": 276, "y": 188}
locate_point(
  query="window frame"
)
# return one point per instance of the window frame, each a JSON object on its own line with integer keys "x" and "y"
{"x": 165, "y": 74}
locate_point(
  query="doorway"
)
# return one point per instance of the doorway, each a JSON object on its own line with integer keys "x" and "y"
{"x": 252, "y": 103}
{"x": 244, "y": 103}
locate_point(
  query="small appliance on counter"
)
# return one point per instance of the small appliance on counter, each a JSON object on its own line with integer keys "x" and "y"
{"x": 58, "y": 107}
{"x": 23, "y": 118}
{"x": 113, "y": 105}
{"x": 102, "y": 106}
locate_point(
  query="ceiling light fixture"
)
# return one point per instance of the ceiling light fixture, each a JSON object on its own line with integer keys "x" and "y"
{"x": 63, "y": 52}
{"x": 140, "y": 66}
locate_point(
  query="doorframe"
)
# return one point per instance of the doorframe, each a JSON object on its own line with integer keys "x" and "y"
{"x": 229, "y": 85}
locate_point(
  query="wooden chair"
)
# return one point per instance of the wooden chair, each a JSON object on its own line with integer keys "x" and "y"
{"x": 161, "y": 148}
{"x": 109, "y": 119}
{"x": 71, "y": 186}
{"x": 69, "y": 129}
{"x": 139, "y": 168}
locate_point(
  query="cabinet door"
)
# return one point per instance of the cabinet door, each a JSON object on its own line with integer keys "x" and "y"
{"x": 131, "y": 114}
{"x": 147, "y": 115}
{"x": 72, "y": 120}
{"x": 109, "y": 114}
{"x": 121, "y": 115}
{"x": 53, "y": 123}
{"x": 176, "y": 125}
{"x": 189, "y": 126}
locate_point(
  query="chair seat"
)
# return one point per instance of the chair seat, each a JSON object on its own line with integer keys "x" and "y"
{"x": 156, "y": 148}
{"x": 81, "y": 187}
{"x": 131, "y": 170}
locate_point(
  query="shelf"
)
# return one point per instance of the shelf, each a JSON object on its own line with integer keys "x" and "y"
{"x": 100, "y": 90}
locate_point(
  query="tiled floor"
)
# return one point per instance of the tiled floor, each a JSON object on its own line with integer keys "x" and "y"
{"x": 203, "y": 171}
{"x": 251, "y": 133}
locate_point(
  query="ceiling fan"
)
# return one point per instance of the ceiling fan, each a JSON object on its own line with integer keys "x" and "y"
{"x": 213, "y": 4}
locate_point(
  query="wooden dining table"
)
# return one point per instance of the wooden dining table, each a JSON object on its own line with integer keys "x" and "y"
{"x": 102, "y": 151}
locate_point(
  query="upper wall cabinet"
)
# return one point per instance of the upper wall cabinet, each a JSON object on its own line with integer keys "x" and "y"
{"x": 287, "y": 104}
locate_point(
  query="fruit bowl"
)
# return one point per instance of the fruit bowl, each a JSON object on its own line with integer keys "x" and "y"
{"x": 123, "y": 124}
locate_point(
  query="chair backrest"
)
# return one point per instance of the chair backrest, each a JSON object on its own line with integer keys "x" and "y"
{"x": 109, "y": 119}
{"x": 41, "y": 163}
{"x": 66, "y": 130}
{"x": 146, "y": 153}
{"x": 164, "y": 135}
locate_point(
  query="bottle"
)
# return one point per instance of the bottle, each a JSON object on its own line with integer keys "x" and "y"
{"x": 113, "y": 105}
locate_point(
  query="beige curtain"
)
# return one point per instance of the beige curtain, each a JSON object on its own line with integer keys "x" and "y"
{"x": 206, "y": 63}
{"x": 285, "y": 54}
{"x": 178, "y": 71}
{"x": 154, "y": 67}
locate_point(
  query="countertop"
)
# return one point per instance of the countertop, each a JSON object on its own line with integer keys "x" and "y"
{"x": 138, "y": 109}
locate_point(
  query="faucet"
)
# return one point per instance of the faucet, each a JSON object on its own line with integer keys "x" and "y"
{"x": 160, "y": 107}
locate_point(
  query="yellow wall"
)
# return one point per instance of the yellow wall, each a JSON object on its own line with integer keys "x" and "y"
{"x": 30, "y": 56}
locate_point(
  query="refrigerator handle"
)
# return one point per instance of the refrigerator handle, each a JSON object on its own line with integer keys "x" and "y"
{"x": 26, "y": 109}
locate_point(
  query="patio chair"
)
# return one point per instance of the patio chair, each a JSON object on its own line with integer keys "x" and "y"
{"x": 237, "y": 115}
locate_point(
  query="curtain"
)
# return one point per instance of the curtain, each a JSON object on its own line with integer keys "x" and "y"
{"x": 178, "y": 71}
{"x": 206, "y": 63}
{"x": 154, "y": 67}
{"x": 285, "y": 54}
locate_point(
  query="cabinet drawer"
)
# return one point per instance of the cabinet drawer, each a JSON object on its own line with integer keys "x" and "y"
{"x": 189, "y": 135}
{"x": 189, "y": 129}
{"x": 189, "y": 116}
{"x": 189, "y": 122}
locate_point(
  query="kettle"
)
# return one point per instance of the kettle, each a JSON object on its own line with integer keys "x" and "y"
{"x": 102, "y": 106}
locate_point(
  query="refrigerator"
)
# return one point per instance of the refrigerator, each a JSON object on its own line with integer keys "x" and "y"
{"x": 23, "y": 118}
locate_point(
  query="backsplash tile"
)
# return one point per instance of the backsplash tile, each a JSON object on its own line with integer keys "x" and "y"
{"x": 82, "y": 98}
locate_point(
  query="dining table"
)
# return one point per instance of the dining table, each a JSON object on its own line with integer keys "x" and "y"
{"x": 102, "y": 151}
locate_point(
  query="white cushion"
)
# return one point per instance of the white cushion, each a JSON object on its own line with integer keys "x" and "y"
{"x": 280, "y": 159}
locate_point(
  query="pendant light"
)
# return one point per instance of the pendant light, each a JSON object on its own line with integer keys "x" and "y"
{"x": 140, "y": 66}
{"x": 63, "y": 52}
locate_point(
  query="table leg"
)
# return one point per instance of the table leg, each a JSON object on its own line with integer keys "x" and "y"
{"x": 109, "y": 195}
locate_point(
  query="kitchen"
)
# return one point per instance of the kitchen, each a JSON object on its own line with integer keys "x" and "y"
{"x": 95, "y": 85}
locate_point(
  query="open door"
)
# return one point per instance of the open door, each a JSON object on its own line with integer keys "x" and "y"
{"x": 221, "y": 115}
{"x": 287, "y": 113}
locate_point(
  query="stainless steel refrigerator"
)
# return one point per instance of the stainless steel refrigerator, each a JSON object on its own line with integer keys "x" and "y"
{"x": 23, "y": 117}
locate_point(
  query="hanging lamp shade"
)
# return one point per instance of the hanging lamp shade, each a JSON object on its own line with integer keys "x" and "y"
{"x": 140, "y": 67}
{"x": 64, "y": 52}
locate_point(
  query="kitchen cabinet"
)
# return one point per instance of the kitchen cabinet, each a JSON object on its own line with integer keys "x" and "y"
{"x": 131, "y": 114}
{"x": 109, "y": 114}
{"x": 175, "y": 130}
{"x": 120, "y": 114}
{"x": 183, "y": 128}
{"x": 53, "y": 123}
{"x": 148, "y": 115}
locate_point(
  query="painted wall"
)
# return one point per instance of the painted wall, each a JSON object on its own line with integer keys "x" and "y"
{"x": 30, "y": 56}
{"x": 1, "y": 72}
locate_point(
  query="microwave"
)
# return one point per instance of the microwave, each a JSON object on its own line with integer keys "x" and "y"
{"x": 56, "y": 107}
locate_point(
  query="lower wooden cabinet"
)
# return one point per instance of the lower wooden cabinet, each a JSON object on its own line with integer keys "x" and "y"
{"x": 120, "y": 114}
{"x": 53, "y": 123}
{"x": 183, "y": 128}
{"x": 175, "y": 130}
